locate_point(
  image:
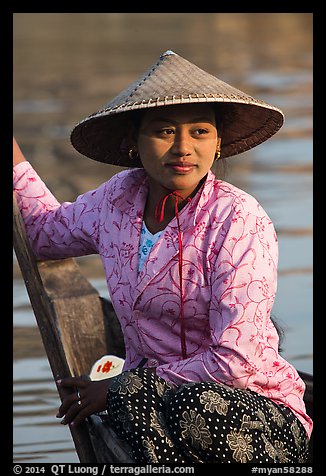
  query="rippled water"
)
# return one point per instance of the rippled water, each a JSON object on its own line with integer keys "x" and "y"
{"x": 69, "y": 65}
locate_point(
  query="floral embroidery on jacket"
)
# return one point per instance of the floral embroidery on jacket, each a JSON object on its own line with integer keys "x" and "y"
{"x": 276, "y": 414}
{"x": 296, "y": 434}
{"x": 194, "y": 428}
{"x": 125, "y": 383}
{"x": 150, "y": 450}
{"x": 214, "y": 402}
{"x": 126, "y": 417}
{"x": 276, "y": 450}
{"x": 239, "y": 442}
{"x": 158, "y": 423}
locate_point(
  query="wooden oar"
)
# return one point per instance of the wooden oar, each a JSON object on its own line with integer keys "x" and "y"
{"x": 45, "y": 317}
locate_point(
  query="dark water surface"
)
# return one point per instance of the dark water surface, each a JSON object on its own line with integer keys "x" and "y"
{"x": 67, "y": 65}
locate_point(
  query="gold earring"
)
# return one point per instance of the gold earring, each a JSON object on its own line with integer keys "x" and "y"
{"x": 133, "y": 154}
{"x": 217, "y": 154}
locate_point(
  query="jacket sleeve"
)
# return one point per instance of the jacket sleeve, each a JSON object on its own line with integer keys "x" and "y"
{"x": 56, "y": 230}
{"x": 243, "y": 340}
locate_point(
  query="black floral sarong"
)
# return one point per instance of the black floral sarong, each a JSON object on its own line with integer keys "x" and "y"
{"x": 201, "y": 422}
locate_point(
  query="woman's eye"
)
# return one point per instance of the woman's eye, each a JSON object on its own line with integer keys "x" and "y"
{"x": 201, "y": 131}
{"x": 166, "y": 131}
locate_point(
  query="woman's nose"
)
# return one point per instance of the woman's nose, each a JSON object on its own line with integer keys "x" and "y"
{"x": 181, "y": 144}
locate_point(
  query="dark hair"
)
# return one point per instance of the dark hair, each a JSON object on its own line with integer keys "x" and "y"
{"x": 280, "y": 332}
{"x": 136, "y": 117}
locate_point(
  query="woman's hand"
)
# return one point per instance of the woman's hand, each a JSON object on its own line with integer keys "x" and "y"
{"x": 17, "y": 153}
{"x": 90, "y": 397}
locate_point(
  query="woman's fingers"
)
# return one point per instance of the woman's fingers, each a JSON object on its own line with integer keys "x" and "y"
{"x": 81, "y": 382}
{"x": 76, "y": 413}
{"x": 67, "y": 403}
{"x": 89, "y": 397}
{"x": 77, "y": 383}
{"x": 80, "y": 415}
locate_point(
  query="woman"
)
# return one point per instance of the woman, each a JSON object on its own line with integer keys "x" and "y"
{"x": 191, "y": 265}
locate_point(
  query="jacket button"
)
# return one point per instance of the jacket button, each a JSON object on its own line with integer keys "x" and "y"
{"x": 153, "y": 363}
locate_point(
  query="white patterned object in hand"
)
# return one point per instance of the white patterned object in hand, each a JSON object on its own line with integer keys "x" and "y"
{"x": 106, "y": 367}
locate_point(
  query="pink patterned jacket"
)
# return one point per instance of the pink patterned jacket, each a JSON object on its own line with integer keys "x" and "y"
{"x": 229, "y": 271}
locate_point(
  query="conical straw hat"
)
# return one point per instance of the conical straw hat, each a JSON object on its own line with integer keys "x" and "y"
{"x": 247, "y": 122}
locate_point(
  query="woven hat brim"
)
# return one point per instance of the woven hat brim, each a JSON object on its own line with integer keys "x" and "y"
{"x": 247, "y": 122}
{"x": 101, "y": 137}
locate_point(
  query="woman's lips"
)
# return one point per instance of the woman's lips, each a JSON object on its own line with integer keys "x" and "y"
{"x": 181, "y": 167}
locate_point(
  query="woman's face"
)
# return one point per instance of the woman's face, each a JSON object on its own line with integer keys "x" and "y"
{"x": 177, "y": 145}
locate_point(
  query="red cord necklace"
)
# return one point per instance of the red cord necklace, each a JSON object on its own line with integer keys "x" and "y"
{"x": 159, "y": 215}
